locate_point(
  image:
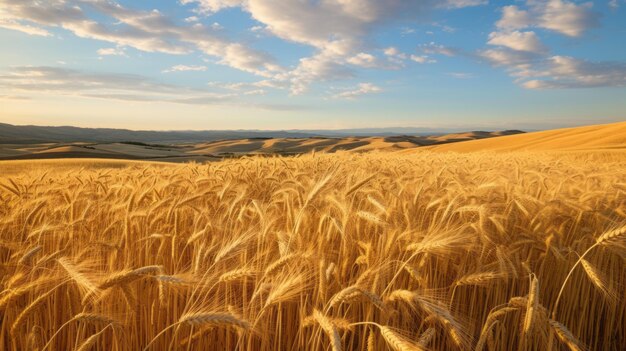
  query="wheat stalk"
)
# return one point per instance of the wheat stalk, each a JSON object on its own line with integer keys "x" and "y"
{"x": 352, "y": 292}
{"x": 396, "y": 342}
{"x": 598, "y": 280}
{"x": 236, "y": 274}
{"x": 329, "y": 329}
{"x": 214, "y": 319}
{"x": 32, "y": 307}
{"x": 480, "y": 279}
{"x": 77, "y": 276}
{"x": 426, "y": 338}
{"x": 125, "y": 277}
{"x": 91, "y": 341}
{"x": 531, "y": 306}
{"x": 566, "y": 336}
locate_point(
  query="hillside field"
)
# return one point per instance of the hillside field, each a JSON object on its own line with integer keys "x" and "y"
{"x": 588, "y": 139}
{"x": 372, "y": 251}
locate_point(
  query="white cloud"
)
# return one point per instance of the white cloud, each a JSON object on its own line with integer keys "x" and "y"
{"x": 391, "y": 51}
{"x": 561, "y": 16}
{"x": 54, "y": 81}
{"x": 560, "y": 72}
{"x": 360, "y": 90}
{"x": 363, "y": 60}
{"x": 337, "y": 29}
{"x": 506, "y": 57}
{"x": 324, "y": 66}
{"x": 266, "y": 83}
{"x": 514, "y": 18}
{"x": 529, "y": 62}
{"x": 422, "y": 59}
{"x": 185, "y": 68}
{"x": 521, "y": 41}
{"x": 437, "y": 49}
{"x": 456, "y": 4}
{"x": 567, "y": 17}
{"x": 116, "y": 51}
{"x": 534, "y": 71}
{"x": 8, "y": 23}
{"x": 149, "y": 31}
{"x": 255, "y": 92}
{"x": 211, "y": 6}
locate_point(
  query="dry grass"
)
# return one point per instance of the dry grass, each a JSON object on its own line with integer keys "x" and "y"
{"x": 424, "y": 251}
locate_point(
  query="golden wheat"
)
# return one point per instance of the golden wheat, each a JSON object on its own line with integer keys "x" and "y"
{"x": 375, "y": 251}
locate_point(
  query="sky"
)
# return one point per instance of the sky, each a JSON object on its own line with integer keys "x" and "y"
{"x": 312, "y": 64}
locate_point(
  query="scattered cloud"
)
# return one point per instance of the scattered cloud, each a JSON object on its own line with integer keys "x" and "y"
{"x": 533, "y": 71}
{"x": 559, "y": 72}
{"x": 507, "y": 57}
{"x": 243, "y": 86}
{"x": 456, "y": 4}
{"x": 116, "y": 51}
{"x": 391, "y": 51}
{"x": 255, "y": 92}
{"x": 123, "y": 87}
{"x": 337, "y": 29}
{"x": 422, "y": 59}
{"x": 185, "y": 68}
{"x": 149, "y": 31}
{"x": 520, "y": 41}
{"x": 433, "y": 48}
{"x": 531, "y": 63}
{"x": 360, "y": 90}
{"x": 211, "y": 6}
{"x": 338, "y": 34}
{"x": 363, "y": 60}
{"x": 461, "y": 75}
{"x": 19, "y": 26}
{"x": 561, "y": 16}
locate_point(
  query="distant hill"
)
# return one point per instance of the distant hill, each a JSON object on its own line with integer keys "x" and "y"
{"x": 181, "y": 147}
{"x": 589, "y": 138}
{"x": 12, "y": 134}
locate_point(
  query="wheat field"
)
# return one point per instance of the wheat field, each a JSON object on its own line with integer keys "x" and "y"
{"x": 377, "y": 251}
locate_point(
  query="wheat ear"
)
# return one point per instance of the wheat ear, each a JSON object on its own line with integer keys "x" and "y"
{"x": 126, "y": 277}
{"x": 566, "y": 336}
{"x": 531, "y": 306}
{"x": 396, "y": 341}
{"x": 91, "y": 341}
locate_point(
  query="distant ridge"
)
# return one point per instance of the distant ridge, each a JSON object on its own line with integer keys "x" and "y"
{"x": 182, "y": 147}
{"x": 13, "y": 134}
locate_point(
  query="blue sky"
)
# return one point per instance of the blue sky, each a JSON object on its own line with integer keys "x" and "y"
{"x": 312, "y": 64}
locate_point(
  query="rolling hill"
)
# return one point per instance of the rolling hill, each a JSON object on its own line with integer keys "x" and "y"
{"x": 28, "y": 134}
{"x": 606, "y": 137}
{"x": 211, "y": 150}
